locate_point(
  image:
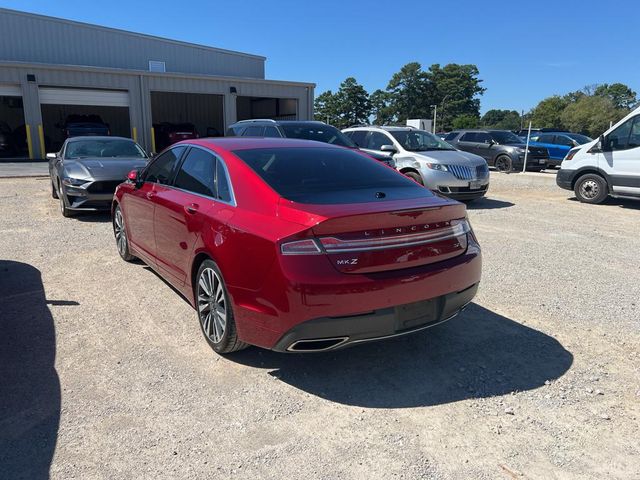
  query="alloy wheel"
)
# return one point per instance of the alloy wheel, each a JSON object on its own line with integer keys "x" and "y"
{"x": 120, "y": 232}
{"x": 212, "y": 305}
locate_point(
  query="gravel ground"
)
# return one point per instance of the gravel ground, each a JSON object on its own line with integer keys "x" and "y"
{"x": 104, "y": 374}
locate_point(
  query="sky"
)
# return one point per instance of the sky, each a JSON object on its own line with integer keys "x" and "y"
{"x": 523, "y": 54}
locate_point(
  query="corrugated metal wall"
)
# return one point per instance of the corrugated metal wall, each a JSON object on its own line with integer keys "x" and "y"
{"x": 139, "y": 87}
{"x": 37, "y": 39}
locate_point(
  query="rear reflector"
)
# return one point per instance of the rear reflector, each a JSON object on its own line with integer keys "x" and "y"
{"x": 457, "y": 228}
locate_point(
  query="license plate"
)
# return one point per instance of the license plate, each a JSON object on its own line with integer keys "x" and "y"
{"x": 541, "y": 162}
{"x": 475, "y": 185}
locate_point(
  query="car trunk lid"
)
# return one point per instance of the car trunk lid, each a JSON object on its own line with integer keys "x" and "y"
{"x": 378, "y": 237}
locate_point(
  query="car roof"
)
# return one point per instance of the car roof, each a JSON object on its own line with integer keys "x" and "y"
{"x": 97, "y": 137}
{"x": 270, "y": 121}
{"x": 246, "y": 143}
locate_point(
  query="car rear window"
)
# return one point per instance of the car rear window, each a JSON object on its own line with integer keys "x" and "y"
{"x": 326, "y": 175}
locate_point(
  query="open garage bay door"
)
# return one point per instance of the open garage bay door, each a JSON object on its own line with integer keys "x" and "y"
{"x": 100, "y": 112}
{"x": 13, "y": 135}
{"x": 82, "y": 96}
{"x": 178, "y": 116}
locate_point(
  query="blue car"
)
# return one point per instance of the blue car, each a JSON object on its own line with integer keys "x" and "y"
{"x": 558, "y": 144}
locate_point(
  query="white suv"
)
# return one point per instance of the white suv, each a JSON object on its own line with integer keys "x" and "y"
{"x": 607, "y": 166}
{"x": 427, "y": 159}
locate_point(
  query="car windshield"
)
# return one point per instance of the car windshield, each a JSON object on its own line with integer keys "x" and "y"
{"x": 419, "y": 141}
{"x": 505, "y": 137}
{"x": 324, "y": 175}
{"x": 319, "y": 133}
{"x": 107, "y": 148}
{"x": 581, "y": 139}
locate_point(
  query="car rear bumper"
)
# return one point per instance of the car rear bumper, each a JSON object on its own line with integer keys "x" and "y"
{"x": 331, "y": 333}
{"x": 316, "y": 294}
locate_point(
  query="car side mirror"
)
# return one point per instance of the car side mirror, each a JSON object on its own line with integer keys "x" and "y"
{"x": 602, "y": 144}
{"x": 388, "y": 148}
{"x": 51, "y": 156}
{"x": 134, "y": 177}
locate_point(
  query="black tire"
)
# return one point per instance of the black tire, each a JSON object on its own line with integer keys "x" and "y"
{"x": 54, "y": 191}
{"x": 120, "y": 234}
{"x": 212, "y": 305}
{"x": 63, "y": 204}
{"x": 591, "y": 188}
{"x": 503, "y": 164}
{"x": 415, "y": 177}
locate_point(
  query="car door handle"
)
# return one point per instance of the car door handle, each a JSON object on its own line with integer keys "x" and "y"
{"x": 192, "y": 208}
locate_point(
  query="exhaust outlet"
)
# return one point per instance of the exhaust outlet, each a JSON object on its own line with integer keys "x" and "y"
{"x": 316, "y": 344}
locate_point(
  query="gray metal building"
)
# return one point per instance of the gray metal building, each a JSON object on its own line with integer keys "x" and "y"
{"x": 51, "y": 69}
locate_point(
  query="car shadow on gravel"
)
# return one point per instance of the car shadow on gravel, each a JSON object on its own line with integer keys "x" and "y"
{"x": 29, "y": 385}
{"x": 477, "y": 355}
{"x": 485, "y": 203}
{"x": 629, "y": 203}
{"x": 93, "y": 217}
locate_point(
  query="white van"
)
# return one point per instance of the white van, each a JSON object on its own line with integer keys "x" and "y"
{"x": 609, "y": 165}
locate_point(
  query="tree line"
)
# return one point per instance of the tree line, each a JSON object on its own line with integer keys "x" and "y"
{"x": 589, "y": 110}
{"x": 456, "y": 90}
{"x": 411, "y": 93}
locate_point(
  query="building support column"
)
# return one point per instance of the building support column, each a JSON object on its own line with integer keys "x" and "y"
{"x": 33, "y": 117}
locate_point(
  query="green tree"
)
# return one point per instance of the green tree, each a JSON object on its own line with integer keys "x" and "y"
{"x": 465, "y": 121}
{"x": 620, "y": 95}
{"x": 380, "y": 107}
{"x": 352, "y": 104}
{"x": 591, "y": 115}
{"x": 325, "y": 107}
{"x": 410, "y": 93}
{"x": 501, "y": 119}
{"x": 456, "y": 90}
{"x": 548, "y": 113}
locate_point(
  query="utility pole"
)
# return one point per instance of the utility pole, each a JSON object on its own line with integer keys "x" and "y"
{"x": 435, "y": 117}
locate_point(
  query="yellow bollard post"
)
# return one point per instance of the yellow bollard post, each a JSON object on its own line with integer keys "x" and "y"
{"x": 153, "y": 140}
{"x": 134, "y": 134}
{"x": 43, "y": 150}
{"x": 29, "y": 142}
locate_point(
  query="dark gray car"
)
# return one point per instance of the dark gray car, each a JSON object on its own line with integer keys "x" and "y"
{"x": 86, "y": 171}
{"x": 301, "y": 129}
{"x": 500, "y": 148}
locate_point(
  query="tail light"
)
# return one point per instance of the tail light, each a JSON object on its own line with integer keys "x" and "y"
{"x": 301, "y": 247}
{"x": 571, "y": 154}
{"x": 333, "y": 245}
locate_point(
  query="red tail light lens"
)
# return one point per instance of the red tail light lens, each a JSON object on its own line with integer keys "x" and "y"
{"x": 457, "y": 228}
{"x": 571, "y": 154}
{"x": 301, "y": 247}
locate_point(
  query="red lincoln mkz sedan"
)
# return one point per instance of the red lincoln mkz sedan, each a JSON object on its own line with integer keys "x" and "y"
{"x": 296, "y": 246}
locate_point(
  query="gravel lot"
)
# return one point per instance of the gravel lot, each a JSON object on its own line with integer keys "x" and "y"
{"x": 104, "y": 374}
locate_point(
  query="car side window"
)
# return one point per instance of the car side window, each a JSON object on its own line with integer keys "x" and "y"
{"x": 358, "y": 137}
{"x": 253, "y": 131}
{"x": 450, "y": 136}
{"x": 376, "y": 140}
{"x": 162, "y": 167}
{"x": 619, "y": 138}
{"x": 271, "y": 132}
{"x": 197, "y": 173}
{"x": 482, "y": 137}
{"x": 634, "y": 136}
{"x": 562, "y": 140}
{"x": 223, "y": 187}
{"x": 545, "y": 139}
{"x": 469, "y": 137}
